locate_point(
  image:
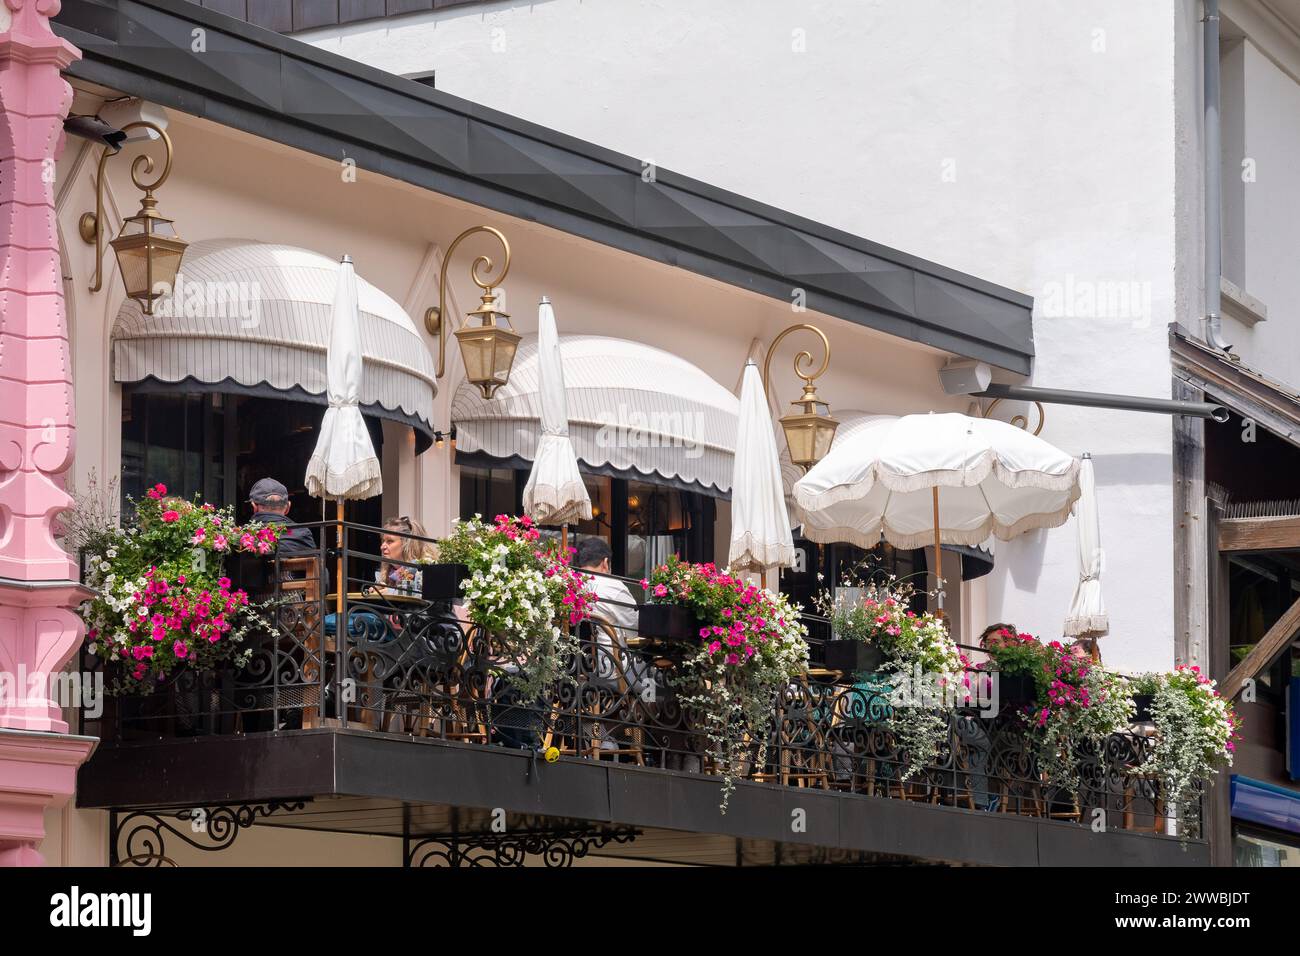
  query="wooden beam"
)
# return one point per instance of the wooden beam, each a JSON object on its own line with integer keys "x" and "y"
{"x": 1259, "y": 534}
{"x": 1269, "y": 646}
{"x": 1191, "y": 540}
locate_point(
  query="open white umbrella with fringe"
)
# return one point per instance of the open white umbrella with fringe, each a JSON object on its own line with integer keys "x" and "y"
{"x": 344, "y": 466}
{"x": 555, "y": 493}
{"x": 935, "y": 479}
{"x": 1088, "y": 616}
{"x": 760, "y": 524}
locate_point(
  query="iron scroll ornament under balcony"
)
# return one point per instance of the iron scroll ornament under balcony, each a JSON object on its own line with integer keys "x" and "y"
{"x": 138, "y": 838}
{"x": 808, "y": 432}
{"x": 488, "y": 350}
{"x": 556, "y": 845}
{"x": 149, "y": 250}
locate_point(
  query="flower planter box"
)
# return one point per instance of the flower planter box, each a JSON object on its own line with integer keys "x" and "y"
{"x": 668, "y": 622}
{"x": 1143, "y": 704}
{"x": 1016, "y": 690}
{"x": 852, "y": 657}
{"x": 441, "y": 582}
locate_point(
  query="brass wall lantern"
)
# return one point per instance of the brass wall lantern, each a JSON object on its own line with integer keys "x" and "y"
{"x": 487, "y": 349}
{"x": 810, "y": 430}
{"x": 149, "y": 250}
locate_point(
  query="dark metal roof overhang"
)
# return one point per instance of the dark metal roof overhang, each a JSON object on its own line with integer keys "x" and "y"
{"x": 284, "y": 90}
{"x": 394, "y": 770}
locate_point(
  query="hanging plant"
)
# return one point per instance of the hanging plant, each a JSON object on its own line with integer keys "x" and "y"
{"x": 1196, "y": 729}
{"x": 163, "y": 600}
{"x": 751, "y": 646}
{"x": 925, "y": 670}
{"x": 521, "y": 589}
{"x": 1079, "y": 705}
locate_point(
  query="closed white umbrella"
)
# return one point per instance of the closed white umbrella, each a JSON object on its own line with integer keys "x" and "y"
{"x": 555, "y": 493}
{"x": 760, "y": 524}
{"x": 344, "y": 466}
{"x": 1087, "y": 611}
{"x": 934, "y": 479}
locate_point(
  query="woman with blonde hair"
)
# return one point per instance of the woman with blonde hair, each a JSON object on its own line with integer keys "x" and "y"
{"x": 402, "y": 541}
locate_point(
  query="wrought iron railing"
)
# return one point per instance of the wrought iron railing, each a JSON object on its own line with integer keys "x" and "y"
{"x": 410, "y": 666}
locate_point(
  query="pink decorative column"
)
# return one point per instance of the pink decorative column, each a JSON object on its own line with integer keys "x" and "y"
{"x": 38, "y": 630}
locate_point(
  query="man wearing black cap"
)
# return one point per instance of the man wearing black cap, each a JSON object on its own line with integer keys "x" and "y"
{"x": 270, "y": 501}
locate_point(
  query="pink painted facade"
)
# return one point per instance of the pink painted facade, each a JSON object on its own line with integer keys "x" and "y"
{"x": 39, "y": 631}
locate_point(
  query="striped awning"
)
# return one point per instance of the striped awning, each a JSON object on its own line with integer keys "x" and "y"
{"x": 635, "y": 411}
{"x": 254, "y": 317}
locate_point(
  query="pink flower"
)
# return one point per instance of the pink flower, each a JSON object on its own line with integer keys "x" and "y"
{"x": 223, "y": 583}
{"x": 661, "y": 590}
{"x": 179, "y": 649}
{"x": 220, "y": 543}
{"x": 170, "y": 516}
{"x": 199, "y": 535}
{"x": 733, "y": 659}
{"x": 715, "y": 647}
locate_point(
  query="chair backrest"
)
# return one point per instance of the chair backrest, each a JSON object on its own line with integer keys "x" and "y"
{"x": 299, "y": 592}
{"x": 301, "y": 575}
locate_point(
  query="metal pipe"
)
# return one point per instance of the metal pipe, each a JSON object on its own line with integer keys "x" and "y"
{"x": 1129, "y": 403}
{"x": 1213, "y": 181}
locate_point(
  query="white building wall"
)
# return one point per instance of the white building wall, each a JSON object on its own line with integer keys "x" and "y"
{"x": 1030, "y": 142}
{"x": 1262, "y": 178}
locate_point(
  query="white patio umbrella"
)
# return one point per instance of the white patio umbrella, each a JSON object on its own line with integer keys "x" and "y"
{"x": 934, "y": 479}
{"x": 344, "y": 466}
{"x": 555, "y": 493}
{"x": 760, "y": 524}
{"x": 1088, "y": 616}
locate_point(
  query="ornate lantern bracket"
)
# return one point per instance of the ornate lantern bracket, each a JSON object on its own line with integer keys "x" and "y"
{"x": 488, "y": 349}
{"x": 149, "y": 250}
{"x": 808, "y": 431}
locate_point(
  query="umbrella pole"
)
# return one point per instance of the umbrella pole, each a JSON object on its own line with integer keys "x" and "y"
{"x": 339, "y": 580}
{"x": 564, "y": 551}
{"x": 938, "y": 554}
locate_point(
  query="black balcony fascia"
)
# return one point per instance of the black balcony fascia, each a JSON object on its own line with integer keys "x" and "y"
{"x": 250, "y": 769}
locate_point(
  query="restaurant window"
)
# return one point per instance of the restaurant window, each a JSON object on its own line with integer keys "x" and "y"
{"x": 175, "y": 439}
{"x": 1252, "y": 847}
{"x": 216, "y": 445}
{"x": 642, "y": 522}
{"x": 819, "y": 566}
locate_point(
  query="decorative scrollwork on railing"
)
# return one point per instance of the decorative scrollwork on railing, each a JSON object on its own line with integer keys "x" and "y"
{"x": 138, "y": 837}
{"x": 403, "y": 665}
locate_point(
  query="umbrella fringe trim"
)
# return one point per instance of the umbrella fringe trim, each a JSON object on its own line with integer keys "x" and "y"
{"x": 547, "y": 504}
{"x": 871, "y": 537}
{"x": 1094, "y": 624}
{"x": 756, "y": 555}
{"x": 974, "y": 474}
{"x": 362, "y": 479}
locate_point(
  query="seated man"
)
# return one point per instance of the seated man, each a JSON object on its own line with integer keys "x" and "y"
{"x": 615, "y": 605}
{"x": 270, "y": 501}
